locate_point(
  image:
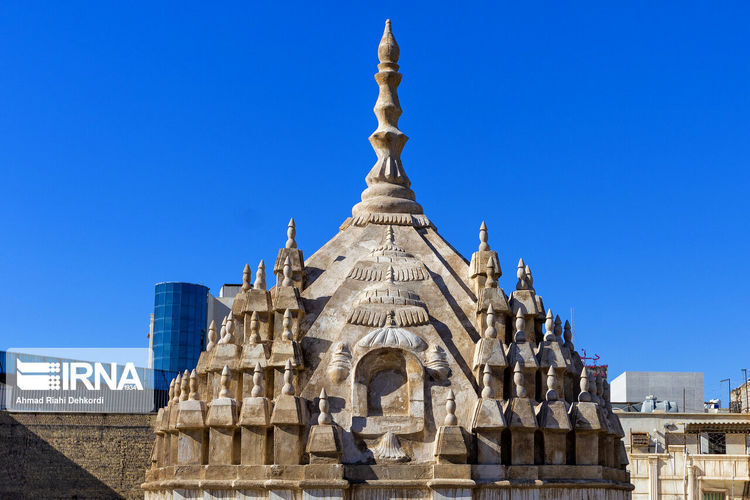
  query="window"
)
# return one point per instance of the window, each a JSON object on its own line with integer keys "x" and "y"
{"x": 639, "y": 440}
{"x": 713, "y": 495}
{"x": 713, "y": 443}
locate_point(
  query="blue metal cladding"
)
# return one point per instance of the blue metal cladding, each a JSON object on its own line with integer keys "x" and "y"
{"x": 180, "y": 311}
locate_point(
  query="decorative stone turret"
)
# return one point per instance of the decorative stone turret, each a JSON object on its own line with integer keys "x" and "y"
{"x": 296, "y": 261}
{"x": 222, "y": 421}
{"x": 254, "y": 300}
{"x": 490, "y": 352}
{"x": 324, "y": 444}
{"x": 484, "y": 263}
{"x": 191, "y": 424}
{"x": 521, "y": 420}
{"x": 488, "y": 422}
{"x": 552, "y": 418}
{"x": 255, "y": 422}
{"x": 450, "y": 447}
{"x": 288, "y": 420}
{"x": 524, "y": 299}
{"x": 425, "y": 380}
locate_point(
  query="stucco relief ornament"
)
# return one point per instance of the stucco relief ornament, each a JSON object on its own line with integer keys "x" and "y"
{"x": 437, "y": 363}
{"x": 392, "y": 336}
{"x": 341, "y": 363}
{"x": 389, "y": 449}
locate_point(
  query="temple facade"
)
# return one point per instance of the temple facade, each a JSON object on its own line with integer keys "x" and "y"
{"x": 385, "y": 366}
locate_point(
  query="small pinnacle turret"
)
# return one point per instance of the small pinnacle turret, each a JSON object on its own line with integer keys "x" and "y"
{"x": 224, "y": 393}
{"x": 260, "y": 276}
{"x": 487, "y": 391}
{"x": 388, "y": 187}
{"x": 246, "y": 286}
{"x": 483, "y": 237}
{"x": 450, "y": 409}
{"x": 324, "y": 418}
{"x": 291, "y": 233}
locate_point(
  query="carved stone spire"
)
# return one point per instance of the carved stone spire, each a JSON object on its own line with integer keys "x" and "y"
{"x": 288, "y": 388}
{"x": 483, "y": 237}
{"x": 286, "y": 323}
{"x": 193, "y": 386}
{"x": 520, "y": 335}
{"x": 291, "y": 232}
{"x": 171, "y": 392}
{"x": 551, "y": 384}
{"x": 490, "y": 282}
{"x": 324, "y": 418}
{"x": 388, "y": 187}
{"x": 568, "y": 335}
{"x": 490, "y": 332}
{"x": 260, "y": 276}
{"x": 184, "y": 386}
{"x": 211, "y": 336}
{"x": 254, "y": 328}
{"x": 246, "y": 274}
{"x": 450, "y": 409}
{"x": 257, "y": 382}
{"x": 549, "y": 334}
{"x": 224, "y": 393}
{"x": 584, "y": 395}
{"x": 519, "y": 381}
{"x": 487, "y": 391}
{"x": 287, "y": 273}
{"x": 177, "y": 388}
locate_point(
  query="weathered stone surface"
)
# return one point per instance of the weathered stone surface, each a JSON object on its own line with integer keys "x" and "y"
{"x": 391, "y": 334}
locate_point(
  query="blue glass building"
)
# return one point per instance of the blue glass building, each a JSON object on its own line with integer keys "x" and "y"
{"x": 180, "y": 312}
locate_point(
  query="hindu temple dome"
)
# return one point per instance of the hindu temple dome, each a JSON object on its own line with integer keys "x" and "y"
{"x": 387, "y": 366}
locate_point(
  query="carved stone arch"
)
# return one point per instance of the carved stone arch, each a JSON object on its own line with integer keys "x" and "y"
{"x": 378, "y": 374}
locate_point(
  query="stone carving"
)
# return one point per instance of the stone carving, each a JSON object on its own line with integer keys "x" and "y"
{"x": 437, "y": 363}
{"x": 424, "y": 379}
{"x": 392, "y": 336}
{"x": 341, "y": 363}
{"x": 389, "y": 449}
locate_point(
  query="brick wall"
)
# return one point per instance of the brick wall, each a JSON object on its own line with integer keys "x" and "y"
{"x": 74, "y": 455}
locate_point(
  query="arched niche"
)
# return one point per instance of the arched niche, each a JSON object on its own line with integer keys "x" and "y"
{"x": 388, "y": 393}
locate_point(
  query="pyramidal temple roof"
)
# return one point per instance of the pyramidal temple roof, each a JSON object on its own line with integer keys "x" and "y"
{"x": 403, "y": 352}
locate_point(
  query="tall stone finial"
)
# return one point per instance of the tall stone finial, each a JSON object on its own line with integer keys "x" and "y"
{"x": 568, "y": 335}
{"x": 518, "y": 381}
{"x": 549, "y": 333}
{"x": 483, "y": 237}
{"x": 287, "y": 273}
{"x": 212, "y": 337}
{"x": 288, "y": 388}
{"x": 487, "y": 391}
{"x": 490, "y": 282}
{"x": 520, "y": 335}
{"x": 184, "y": 386}
{"x": 224, "y": 392}
{"x": 193, "y": 385}
{"x": 177, "y": 388}
{"x": 390, "y": 237}
{"x": 171, "y": 392}
{"x": 551, "y": 384}
{"x": 254, "y": 328}
{"x": 260, "y": 276}
{"x": 246, "y": 274}
{"x": 450, "y": 408}
{"x": 558, "y": 327}
{"x": 389, "y": 274}
{"x": 491, "y": 331}
{"x": 521, "y": 275}
{"x": 227, "y": 335}
{"x": 286, "y": 323}
{"x": 388, "y": 187}
{"x": 291, "y": 232}
{"x": 584, "y": 395}
{"x": 324, "y": 418}
{"x": 599, "y": 387}
{"x": 529, "y": 277}
{"x": 257, "y": 382}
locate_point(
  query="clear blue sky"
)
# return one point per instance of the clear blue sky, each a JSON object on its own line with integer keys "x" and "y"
{"x": 607, "y": 146}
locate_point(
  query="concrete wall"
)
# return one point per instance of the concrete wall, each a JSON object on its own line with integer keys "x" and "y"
{"x": 633, "y": 387}
{"x": 73, "y": 455}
